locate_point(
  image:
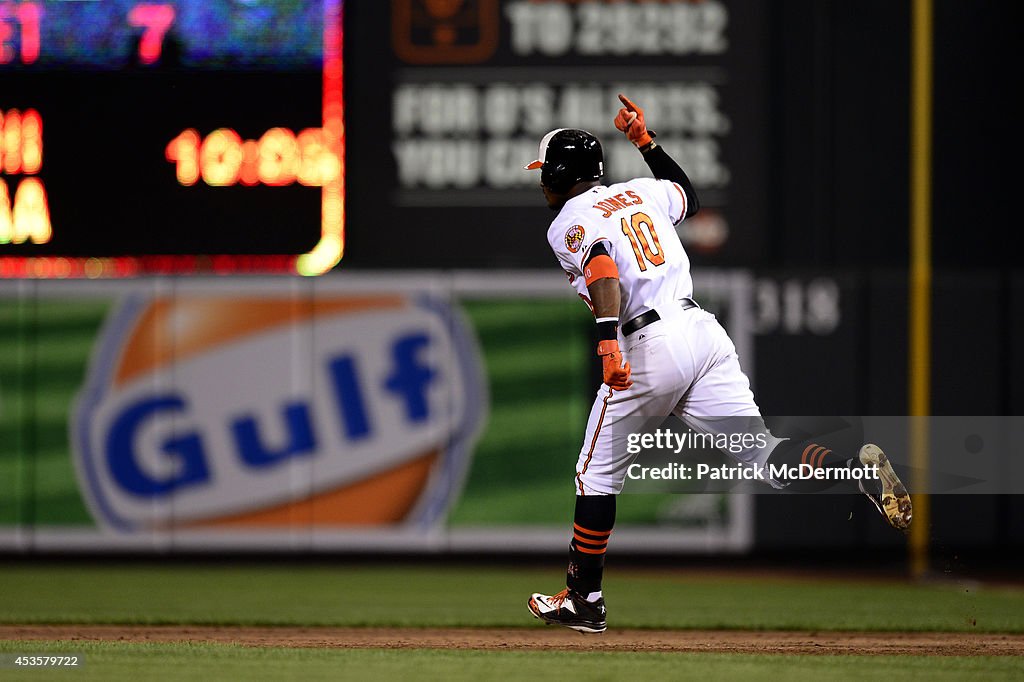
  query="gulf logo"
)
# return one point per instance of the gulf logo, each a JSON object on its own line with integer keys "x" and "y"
{"x": 265, "y": 413}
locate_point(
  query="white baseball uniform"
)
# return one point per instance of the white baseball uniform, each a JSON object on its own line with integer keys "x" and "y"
{"x": 685, "y": 364}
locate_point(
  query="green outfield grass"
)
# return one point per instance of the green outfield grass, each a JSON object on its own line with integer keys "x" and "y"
{"x": 118, "y": 661}
{"x": 425, "y": 596}
{"x": 421, "y": 596}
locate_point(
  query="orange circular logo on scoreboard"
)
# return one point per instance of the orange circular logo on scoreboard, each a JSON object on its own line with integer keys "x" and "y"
{"x": 574, "y": 238}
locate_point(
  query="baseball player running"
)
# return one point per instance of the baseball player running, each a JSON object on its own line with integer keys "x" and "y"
{"x": 661, "y": 353}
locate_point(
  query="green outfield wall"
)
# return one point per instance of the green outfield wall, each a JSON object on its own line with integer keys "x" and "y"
{"x": 377, "y": 412}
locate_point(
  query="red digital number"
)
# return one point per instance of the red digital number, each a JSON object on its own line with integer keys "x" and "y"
{"x": 155, "y": 20}
{"x": 27, "y": 15}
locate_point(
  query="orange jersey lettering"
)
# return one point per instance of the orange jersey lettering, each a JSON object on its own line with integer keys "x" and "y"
{"x": 609, "y": 205}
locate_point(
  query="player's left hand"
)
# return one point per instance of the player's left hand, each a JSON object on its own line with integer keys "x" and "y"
{"x": 616, "y": 372}
{"x": 630, "y": 120}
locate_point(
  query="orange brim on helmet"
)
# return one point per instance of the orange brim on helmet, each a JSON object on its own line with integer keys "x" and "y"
{"x": 542, "y": 152}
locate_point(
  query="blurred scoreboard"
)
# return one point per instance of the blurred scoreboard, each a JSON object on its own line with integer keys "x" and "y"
{"x": 178, "y": 136}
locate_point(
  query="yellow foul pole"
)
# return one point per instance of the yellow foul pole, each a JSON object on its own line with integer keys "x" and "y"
{"x": 919, "y": 364}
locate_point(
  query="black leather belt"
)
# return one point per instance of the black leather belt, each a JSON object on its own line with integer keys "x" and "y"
{"x": 642, "y": 320}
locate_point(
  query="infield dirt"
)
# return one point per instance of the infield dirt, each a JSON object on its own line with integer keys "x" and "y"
{"x": 545, "y": 638}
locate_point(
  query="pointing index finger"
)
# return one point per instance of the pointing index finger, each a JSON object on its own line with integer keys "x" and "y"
{"x": 626, "y": 103}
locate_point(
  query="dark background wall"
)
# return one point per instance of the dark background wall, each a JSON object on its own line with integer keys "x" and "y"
{"x": 841, "y": 106}
{"x": 836, "y": 128}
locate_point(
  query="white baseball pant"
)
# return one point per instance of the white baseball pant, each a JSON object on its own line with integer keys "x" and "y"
{"x": 685, "y": 365}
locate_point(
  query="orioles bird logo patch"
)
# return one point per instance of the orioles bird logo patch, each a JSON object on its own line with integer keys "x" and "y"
{"x": 574, "y": 238}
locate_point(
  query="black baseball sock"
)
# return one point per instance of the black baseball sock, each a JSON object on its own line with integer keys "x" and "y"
{"x": 592, "y": 526}
{"x": 809, "y": 456}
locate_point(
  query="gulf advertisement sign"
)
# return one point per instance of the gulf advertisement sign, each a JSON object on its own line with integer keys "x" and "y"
{"x": 273, "y": 412}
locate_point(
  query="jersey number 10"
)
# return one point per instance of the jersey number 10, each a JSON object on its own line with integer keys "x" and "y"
{"x": 641, "y": 245}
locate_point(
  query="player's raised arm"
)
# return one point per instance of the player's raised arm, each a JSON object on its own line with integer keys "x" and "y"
{"x": 630, "y": 120}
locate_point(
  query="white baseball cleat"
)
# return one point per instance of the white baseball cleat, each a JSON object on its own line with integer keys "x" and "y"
{"x": 891, "y": 499}
{"x": 570, "y": 610}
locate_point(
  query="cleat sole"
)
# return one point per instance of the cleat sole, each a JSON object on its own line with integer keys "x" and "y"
{"x": 895, "y": 504}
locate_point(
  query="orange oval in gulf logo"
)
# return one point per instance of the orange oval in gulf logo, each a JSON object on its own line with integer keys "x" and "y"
{"x": 574, "y": 238}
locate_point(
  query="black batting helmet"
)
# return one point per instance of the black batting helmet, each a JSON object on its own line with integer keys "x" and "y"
{"x": 568, "y": 156}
